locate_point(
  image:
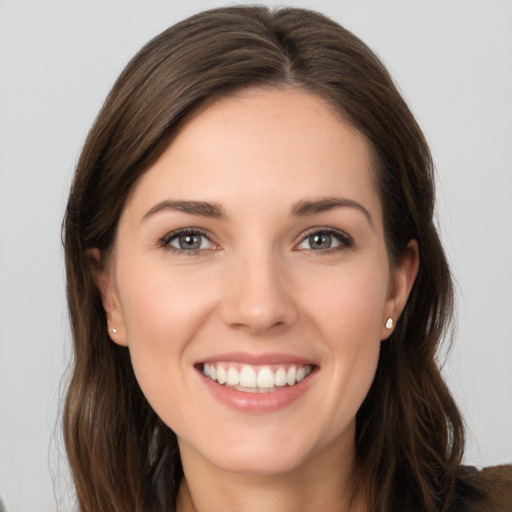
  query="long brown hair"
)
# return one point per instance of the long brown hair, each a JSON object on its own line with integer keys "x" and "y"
{"x": 409, "y": 433}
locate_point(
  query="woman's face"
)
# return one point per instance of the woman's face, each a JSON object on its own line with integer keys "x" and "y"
{"x": 253, "y": 251}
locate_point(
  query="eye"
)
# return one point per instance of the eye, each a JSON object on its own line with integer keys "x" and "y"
{"x": 324, "y": 240}
{"x": 189, "y": 241}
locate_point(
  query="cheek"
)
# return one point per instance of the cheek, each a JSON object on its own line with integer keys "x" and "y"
{"x": 351, "y": 305}
{"x": 348, "y": 316}
{"x": 161, "y": 309}
{"x": 162, "y": 313}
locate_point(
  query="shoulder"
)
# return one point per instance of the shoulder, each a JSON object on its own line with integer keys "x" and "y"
{"x": 494, "y": 485}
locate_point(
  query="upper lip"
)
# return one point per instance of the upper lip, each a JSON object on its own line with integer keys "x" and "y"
{"x": 257, "y": 359}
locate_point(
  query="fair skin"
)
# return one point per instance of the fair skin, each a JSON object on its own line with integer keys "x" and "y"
{"x": 255, "y": 246}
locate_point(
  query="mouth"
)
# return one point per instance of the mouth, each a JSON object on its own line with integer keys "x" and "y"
{"x": 249, "y": 378}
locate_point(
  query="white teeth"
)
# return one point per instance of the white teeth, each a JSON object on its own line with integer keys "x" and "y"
{"x": 280, "y": 377}
{"x": 247, "y": 390}
{"x": 290, "y": 376}
{"x": 248, "y": 377}
{"x": 250, "y": 380}
{"x": 221, "y": 375}
{"x": 233, "y": 377}
{"x": 265, "y": 378}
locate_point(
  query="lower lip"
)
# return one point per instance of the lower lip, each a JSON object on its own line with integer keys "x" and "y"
{"x": 259, "y": 403}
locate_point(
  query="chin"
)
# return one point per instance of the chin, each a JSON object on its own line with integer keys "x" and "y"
{"x": 260, "y": 462}
{"x": 254, "y": 452}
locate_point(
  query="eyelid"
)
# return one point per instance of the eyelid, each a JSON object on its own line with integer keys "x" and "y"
{"x": 164, "y": 242}
{"x": 345, "y": 240}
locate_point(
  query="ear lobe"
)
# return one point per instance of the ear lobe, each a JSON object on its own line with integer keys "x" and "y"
{"x": 109, "y": 296}
{"x": 402, "y": 282}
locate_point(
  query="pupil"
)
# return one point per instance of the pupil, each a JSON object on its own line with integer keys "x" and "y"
{"x": 320, "y": 241}
{"x": 190, "y": 242}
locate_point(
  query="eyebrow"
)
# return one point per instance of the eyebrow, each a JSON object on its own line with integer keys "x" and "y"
{"x": 302, "y": 208}
{"x": 201, "y": 208}
{"x": 311, "y": 207}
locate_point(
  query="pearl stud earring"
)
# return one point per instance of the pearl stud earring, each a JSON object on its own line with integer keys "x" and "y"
{"x": 114, "y": 330}
{"x": 389, "y": 323}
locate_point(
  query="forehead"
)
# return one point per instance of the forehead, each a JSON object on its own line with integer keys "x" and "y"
{"x": 276, "y": 144}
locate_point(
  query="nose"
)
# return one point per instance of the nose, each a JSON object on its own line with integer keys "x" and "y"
{"x": 258, "y": 295}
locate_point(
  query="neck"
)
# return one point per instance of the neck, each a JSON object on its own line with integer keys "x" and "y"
{"x": 322, "y": 484}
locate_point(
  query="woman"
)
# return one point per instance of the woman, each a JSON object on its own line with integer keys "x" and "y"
{"x": 256, "y": 288}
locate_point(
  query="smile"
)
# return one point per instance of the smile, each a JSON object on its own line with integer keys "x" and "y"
{"x": 256, "y": 379}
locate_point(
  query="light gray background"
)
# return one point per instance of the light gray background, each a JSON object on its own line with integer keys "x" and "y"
{"x": 452, "y": 59}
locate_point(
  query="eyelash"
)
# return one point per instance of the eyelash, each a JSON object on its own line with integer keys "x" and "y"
{"x": 345, "y": 241}
{"x": 173, "y": 235}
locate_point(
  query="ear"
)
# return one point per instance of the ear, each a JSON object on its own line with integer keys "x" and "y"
{"x": 104, "y": 279}
{"x": 402, "y": 280}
